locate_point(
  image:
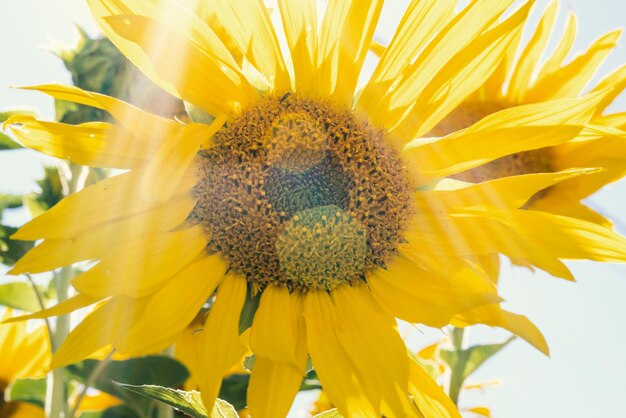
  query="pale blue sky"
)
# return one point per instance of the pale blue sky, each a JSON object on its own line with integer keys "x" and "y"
{"x": 583, "y": 322}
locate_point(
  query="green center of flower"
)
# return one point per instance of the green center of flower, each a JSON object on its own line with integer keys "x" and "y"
{"x": 299, "y": 194}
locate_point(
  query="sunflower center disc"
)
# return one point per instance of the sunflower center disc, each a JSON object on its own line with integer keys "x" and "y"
{"x": 299, "y": 194}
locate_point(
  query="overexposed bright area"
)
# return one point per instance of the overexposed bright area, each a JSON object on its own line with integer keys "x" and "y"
{"x": 583, "y": 322}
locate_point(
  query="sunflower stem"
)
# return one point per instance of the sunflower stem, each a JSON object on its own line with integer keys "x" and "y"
{"x": 73, "y": 178}
{"x": 163, "y": 410}
{"x": 90, "y": 380}
{"x": 457, "y": 371}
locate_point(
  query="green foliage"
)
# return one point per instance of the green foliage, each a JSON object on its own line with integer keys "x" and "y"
{"x": 95, "y": 65}
{"x": 28, "y": 390}
{"x": 19, "y": 295}
{"x": 464, "y": 362}
{"x": 11, "y": 250}
{"x": 6, "y": 143}
{"x": 51, "y": 192}
{"x": 188, "y": 402}
{"x": 234, "y": 390}
{"x": 10, "y": 201}
{"x": 120, "y": 411}
{"x": 472, "y": 358}
{"x": 150, "y": 370}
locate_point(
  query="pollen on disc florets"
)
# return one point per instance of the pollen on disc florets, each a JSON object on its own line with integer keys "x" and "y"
{"x": 300, "y": 194}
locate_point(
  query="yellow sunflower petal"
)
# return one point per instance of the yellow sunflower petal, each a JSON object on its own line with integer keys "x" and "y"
{"x": 345, "y": 35}
{"x": 617, "y": 81}
{"x": 527, "y": 63}
{"x": 99, "y": 241}
{"x": 565, "y": 205}
{"x": 608, "y": 152}
{"x": 198, "y": 76}
{"x": 221, "y": 345}
{"x": 278, "y": 326}
{"x": 111, "y": 199}
{"x": 506, "y": 132}
{"x": 419, "y": 296}
{"x": 480, "y": 235}
{"x": 181, "y": 54}
{"x": 300, "y": 22}
{"x": 383, "y": 368}
{"x": 429, "y": 397}
{"x": 98, "y": 329}
{"x": 248, "y": 23}
{"x": 272, "y": 388}
{"x": 69, "y": 305}
{"x": 170, "y": 163}
{"x": 421, "y": 21}
{"x": 570, "y": 80}
{"x": 139, "y": 267}
{"x": 96, "y": 144}
{"x": 505, "y": 192}
{"x": 469, "y": 68}
{"x": 495, "y": 316}
{"x": 172, "y": 308}
{"x": 539, "y": 238}
{"x": 332, "y": 364}
{"x": 146, "y": 126}
{"x": 21, "y": 410}
{"x": 458, "y": 33}
{"x": 563, "y": 48}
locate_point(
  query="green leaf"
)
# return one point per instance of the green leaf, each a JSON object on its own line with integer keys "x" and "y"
{"x": 478, "y": 354}
{"x": 234, "y": 390}
{"x": 51, "y": 192}
{"x": 333, "y": 413}
{"x": 28, "y": 390}
{"x": 222, "y": 409}
{"x": 6, "y": 143}
{"x": 11, "y": 250}
{"x": 249, "y": 309}
{"x": 188, "y": 402}
{"x": 19, "y": 295}
{"x": 120, "y": 411}
{"x": 10, "y": 201}
{"x": 150, "y": 370}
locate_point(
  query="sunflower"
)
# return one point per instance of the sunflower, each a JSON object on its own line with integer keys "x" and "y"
{"x": 25, "y": 354}
{"x": 529, "y": 79}
{"x": 304, "y": 201}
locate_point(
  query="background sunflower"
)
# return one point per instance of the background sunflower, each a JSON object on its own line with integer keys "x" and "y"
{"x": 586, "y": 325}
